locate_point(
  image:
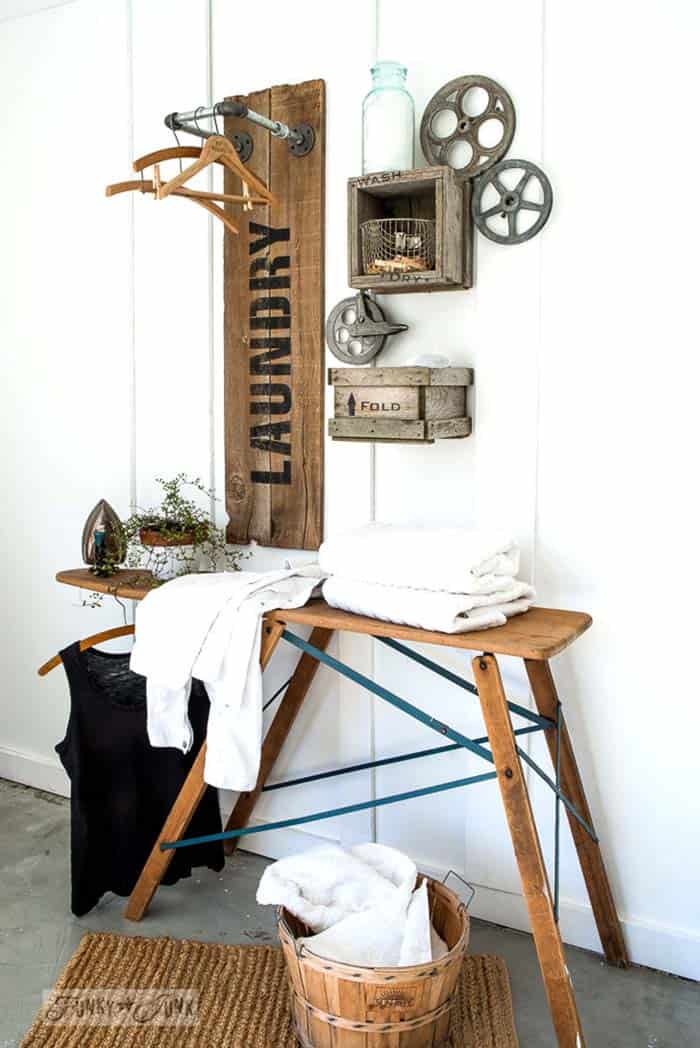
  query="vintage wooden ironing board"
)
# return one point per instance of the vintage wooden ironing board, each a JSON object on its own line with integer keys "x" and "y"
{"x": 536, "y": 637}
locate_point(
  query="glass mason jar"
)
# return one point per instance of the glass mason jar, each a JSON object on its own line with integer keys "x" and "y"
{"x": 388, "y": 121}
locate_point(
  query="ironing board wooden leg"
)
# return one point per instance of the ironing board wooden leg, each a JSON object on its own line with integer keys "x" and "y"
{"x": 277, "y": 733}
{"x": 528, "y": 853}
{"x": 589, "y": 853}
{"x": 185, "y": 806}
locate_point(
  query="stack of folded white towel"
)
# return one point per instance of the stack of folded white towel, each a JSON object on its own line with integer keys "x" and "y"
{"x": 452, "y": 580}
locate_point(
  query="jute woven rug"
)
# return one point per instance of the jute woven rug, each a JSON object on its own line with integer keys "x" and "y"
{"x": 228, "y": 996}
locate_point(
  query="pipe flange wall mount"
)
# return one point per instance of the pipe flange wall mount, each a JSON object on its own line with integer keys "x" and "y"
{"x": 493, "y": 201}
{"x": 243, "y": 144}
{"x": 457, "y": 125}
{"x": 303, "y": 141}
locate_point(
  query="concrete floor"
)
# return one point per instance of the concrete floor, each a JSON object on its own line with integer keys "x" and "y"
{"x": 638, "y": 1008}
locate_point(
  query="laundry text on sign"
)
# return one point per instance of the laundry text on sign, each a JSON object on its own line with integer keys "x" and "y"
{"x": 270, "y": 352}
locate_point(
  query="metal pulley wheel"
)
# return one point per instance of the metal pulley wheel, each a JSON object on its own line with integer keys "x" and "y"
{"x": 509, "y": 203}
{"x": 356, "y": 329}
{"x": 458, "y": 130}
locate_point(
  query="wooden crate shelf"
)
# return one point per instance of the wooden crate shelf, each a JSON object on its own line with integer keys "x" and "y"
{"x": 429, "y": 193}
{"x": 401, "y": 405}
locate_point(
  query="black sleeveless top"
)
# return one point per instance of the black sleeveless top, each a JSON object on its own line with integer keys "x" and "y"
{"x": 122, "y": 788}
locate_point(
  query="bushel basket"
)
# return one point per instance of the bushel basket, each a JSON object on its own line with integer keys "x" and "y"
{"x": 339, "y": 1006}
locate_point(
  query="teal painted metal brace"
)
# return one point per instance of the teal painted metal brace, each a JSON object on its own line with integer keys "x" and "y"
{"x": 388, "y": 696}
{"x": 459, "y": 742}
{"x": 453, "y": 678}
{"x": 413, "y": 711}
{"x": 349, "y": 809}
{"x": 383, "y": 762}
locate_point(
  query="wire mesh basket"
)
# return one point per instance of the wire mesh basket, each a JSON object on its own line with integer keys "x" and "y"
{"x": 398, "y": 245}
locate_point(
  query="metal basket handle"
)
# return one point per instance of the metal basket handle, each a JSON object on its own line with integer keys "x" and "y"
{"x": 472, "y": 889}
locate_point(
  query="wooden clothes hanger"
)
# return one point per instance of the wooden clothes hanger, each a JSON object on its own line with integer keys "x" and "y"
{"x": 184, "y": 152}
{"x": 147, "y": 186}
{"x": 205, "y": 200}
{"x": 216, "y": 150}
{"x": 89, "y": 642}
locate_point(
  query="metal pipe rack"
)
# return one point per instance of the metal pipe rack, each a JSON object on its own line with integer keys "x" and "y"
{"x": 301, "y": 138}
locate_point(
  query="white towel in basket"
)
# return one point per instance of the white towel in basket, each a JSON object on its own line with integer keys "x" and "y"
{"x": 390, "y": 936}
{"x": 360, "y": 900}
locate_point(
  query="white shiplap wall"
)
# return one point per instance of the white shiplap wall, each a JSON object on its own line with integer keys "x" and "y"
{"x": 582, "y": 342}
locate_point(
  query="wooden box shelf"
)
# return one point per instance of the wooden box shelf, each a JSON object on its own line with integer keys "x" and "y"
{"x": 401, "y": 405}
{"x": 432, "y": 193}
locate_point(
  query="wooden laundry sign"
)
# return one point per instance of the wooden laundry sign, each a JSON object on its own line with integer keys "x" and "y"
{"x": 273, "y": 333}
{"x": 270, "y": 354}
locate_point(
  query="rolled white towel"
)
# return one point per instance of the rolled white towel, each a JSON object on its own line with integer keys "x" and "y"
{"x": 426, "y": 609}
{"x": 394, "y": 935}
{"x": 456, "y": 560}
{"x": 360, "y": 901}
{"x": 327, "y": 884}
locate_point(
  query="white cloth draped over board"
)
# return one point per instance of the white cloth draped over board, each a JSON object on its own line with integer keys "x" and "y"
{"x": 209, "y": 626}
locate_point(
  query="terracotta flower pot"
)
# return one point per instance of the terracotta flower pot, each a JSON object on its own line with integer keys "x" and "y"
{"x": 154, "y": 537}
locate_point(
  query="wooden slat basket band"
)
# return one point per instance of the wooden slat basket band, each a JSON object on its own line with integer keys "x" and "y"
{"x": 405, "y": 404}
{"x": 342, "y": 1006}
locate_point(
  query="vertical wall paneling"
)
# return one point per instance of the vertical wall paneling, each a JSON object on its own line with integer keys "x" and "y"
{"x": 172, "y": 254}
{"x": 333, "y": 727}
{"x": 63, "y": 328}
{"x": 583, "y": 345}
{"x": 493, "y": 329}
{"x": 617, "y": 512}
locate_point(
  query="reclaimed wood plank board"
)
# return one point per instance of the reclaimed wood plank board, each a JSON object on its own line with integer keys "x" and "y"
{"x": 247, "y": 503}
{"x": 444, "y": 402}
{"x": 401, "y": 376}
{"x": 274, "y": 285}
{"x": 443, "y": 429}
{"x": 381, "y": 428}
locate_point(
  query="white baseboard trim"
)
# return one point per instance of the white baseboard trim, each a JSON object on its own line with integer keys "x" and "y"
{"x": 273, "y": 844}
{"x": 31, "y": 769}
{"x": 654, "y": 945}
{"x": 276, "y": 844}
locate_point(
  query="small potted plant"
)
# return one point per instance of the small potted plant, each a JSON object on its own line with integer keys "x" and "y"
{"x": 178, "y": 536}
